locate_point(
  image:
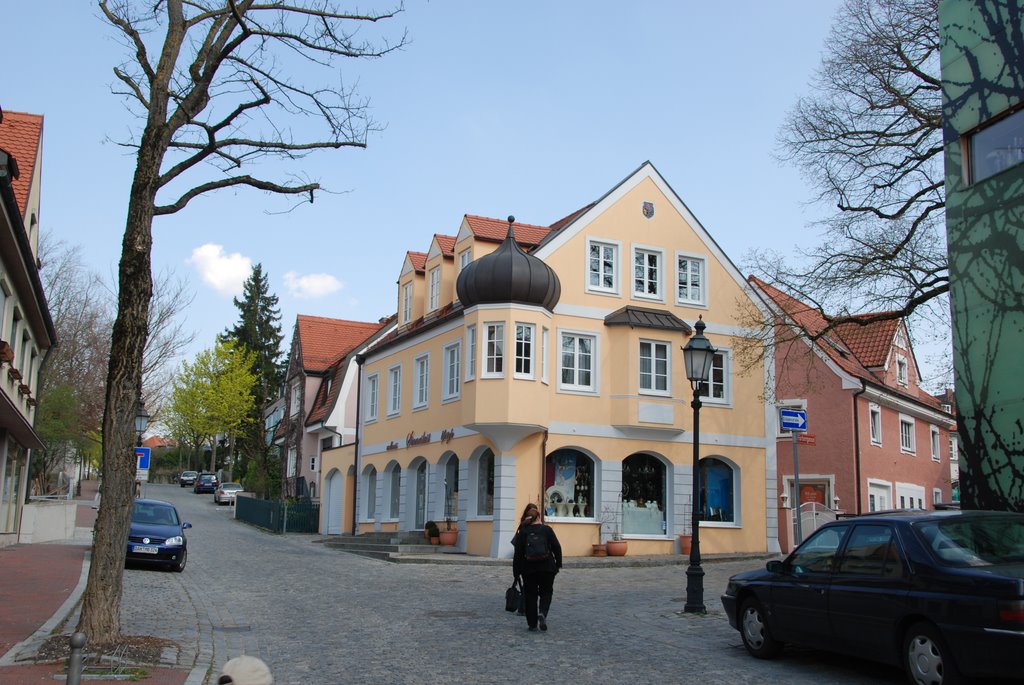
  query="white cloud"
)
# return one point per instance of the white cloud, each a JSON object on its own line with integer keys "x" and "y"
{"x": 311, "y": 286}
{"x": 225, "y": 273}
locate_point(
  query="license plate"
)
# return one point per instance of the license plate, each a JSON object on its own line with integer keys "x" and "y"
{"x": 140, "y": 549}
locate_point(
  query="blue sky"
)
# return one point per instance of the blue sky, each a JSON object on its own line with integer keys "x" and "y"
{"x": 527, "y": 108}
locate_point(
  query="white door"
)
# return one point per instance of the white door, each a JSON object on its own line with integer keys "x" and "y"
{"x": 334, "y": 500}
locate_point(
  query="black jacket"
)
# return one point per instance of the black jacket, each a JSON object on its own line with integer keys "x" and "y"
{"x": 521, "y": 565}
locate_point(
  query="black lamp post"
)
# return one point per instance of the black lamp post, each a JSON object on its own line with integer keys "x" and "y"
{"x": 699, "y": 356}
{"x": 141, "y": 421}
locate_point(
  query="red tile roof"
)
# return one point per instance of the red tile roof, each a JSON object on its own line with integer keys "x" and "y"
{"x": 324, "y": 341}
{"x": 21, "y": 135}
{"x": 870, "y": 343}
{"x": 325, "y": 400}
{"x": 495, "y": 230}
{"x": 858, "y": 349}
{"x": 566, "y": 220}
{"x": 418, "y": 259}
{"x": 446, "y": 243}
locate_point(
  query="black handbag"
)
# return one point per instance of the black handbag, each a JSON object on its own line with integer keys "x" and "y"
{"x": 512, "y": 595}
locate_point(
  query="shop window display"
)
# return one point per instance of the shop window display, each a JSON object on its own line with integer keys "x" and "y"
{"x": 643, "y": 495}
{"x": 568, "y": 484}
{"x": 716, "y": 491}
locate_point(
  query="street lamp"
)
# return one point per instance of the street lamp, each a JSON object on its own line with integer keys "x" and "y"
{"x": 698, "y": 355}
{"x": 141, "y": 420}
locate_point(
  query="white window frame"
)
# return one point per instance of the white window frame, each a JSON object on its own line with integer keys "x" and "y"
{"x": 902, "y": 370}
{"x": 594, "y": 357}
{"x": 936, "y": 443}
{"x": 407, "y": 303}
{"x": 526, "y": 360}
{"x": 936, "y": 496}
{"x": 465, "y": 257}
{"x": 451, "y": 372}
{"x": 702, "y": 287}
{"x": 616, "y": 249}
{"x": 659, "y": 283}
{"x": 875, "y": 412}
{"x": 906, "y": 448}
{"x": 544, "y": 335}
{"x": 395, "y": 390}
{"x": 494, "y": 335}
{"x": 372, "y": 396}
{"x": 653, "y": 345}
{"x": 726, "y": 365}
{"x": 435, "y": 288}
{"x": 470, "y": 353}
{"x": 421, "y": 381}
{"x": 312, "y": 463}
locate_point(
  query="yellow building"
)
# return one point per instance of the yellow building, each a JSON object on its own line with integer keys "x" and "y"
{"x": 544, "y": 364}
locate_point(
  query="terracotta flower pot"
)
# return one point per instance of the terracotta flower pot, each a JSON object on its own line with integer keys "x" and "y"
{"x": 449, "y": 537}
{"x": 435, "y": 541}
{"x": 616, "y": 548}
{"x": 600, "y": 550}
{"x": 685, "y": 542}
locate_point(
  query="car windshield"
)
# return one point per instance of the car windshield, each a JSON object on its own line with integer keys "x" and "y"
{"x": 154, "y": 514}
{"x": 975, "y": 541}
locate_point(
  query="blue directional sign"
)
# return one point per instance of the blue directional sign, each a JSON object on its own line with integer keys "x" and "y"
{"x": 793, "y": 419}
{"x": 142, "y": 455}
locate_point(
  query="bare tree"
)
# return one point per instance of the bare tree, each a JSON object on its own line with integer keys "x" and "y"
{"x": 869, "y": 141}
{"x": 222, "y": 90}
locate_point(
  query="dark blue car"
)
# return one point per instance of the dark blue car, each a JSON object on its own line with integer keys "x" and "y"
{"x": 157, "y": 535}
{"x": 940, "y": 593}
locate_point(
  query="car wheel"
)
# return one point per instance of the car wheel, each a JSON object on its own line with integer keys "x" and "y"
{"x": 926, "y": 657}
{"x": 180, "y": 566}
{"x": 754, "y": 630}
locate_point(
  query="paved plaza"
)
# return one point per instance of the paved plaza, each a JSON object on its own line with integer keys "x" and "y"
{"x": 320, "y": 616}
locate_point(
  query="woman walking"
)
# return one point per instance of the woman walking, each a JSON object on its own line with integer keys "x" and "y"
{"x": 537, "y": 559}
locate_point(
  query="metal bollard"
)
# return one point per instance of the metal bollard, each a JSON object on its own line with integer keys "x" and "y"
{"x": 75, "y": 661}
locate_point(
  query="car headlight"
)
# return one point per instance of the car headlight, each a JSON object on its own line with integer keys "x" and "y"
{"x": 176, "y": 541}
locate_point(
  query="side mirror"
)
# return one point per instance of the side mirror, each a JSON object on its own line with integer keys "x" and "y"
{"x": 186, "y": 525}
{"x": 774, "y": 566}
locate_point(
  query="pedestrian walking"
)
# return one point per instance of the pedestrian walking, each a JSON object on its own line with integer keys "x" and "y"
{"x": 537, "y": 560}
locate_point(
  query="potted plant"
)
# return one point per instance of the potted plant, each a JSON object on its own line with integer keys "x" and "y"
{"x": 450, "y": 535}
{"x": 686, "y": 537}
{"x": 433, "y": 532}
{"x": 615, "y": 546}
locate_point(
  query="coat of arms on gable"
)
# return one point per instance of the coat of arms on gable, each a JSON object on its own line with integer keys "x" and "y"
{"x": 648, "y": 209}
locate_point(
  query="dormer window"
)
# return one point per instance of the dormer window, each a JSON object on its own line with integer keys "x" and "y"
{"x": 406, "y": 303}
{"x": 435, "y": 288}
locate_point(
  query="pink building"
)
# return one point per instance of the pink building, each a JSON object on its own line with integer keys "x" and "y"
{"x": 875, "y": 439}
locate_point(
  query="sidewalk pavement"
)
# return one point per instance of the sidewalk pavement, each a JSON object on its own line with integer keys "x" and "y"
{"x": 40, "y": 588}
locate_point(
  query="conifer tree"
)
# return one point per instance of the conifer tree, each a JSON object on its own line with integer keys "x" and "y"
{"x": 258, "y": 330}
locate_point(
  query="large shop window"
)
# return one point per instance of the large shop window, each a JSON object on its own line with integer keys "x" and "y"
{"x": 485, "y": 484}
{"x": 568, "y": 484}
{"x": 717, "y": 486}
{"x": 643, "y": 495}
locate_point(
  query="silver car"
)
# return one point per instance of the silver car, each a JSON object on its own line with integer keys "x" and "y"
{"x": 225, "y": 493}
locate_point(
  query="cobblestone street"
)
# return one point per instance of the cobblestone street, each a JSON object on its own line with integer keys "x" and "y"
{"x": 317, "y": 615}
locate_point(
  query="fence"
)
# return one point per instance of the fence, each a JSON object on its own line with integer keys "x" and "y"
{"x": 279, "y": 516}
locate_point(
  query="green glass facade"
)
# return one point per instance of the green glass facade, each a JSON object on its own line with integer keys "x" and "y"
{"x": 983, "y": 129}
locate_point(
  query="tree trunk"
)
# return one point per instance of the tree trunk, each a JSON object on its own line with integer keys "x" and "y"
{"x": 101, "y": 605}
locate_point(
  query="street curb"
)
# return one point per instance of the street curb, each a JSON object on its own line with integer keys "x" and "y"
{"x": 29, "y": 647}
